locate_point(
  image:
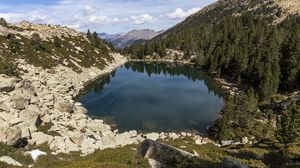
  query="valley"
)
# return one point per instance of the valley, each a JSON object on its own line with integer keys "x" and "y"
{"x": 219, "y": 89}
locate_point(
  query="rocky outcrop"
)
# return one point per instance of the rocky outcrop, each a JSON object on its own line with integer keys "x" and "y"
{"x": 10, "y": 135}
{"x": 42, "y": 96}
{"x": 232, "y": 163}
{"x": 161, "y": 155}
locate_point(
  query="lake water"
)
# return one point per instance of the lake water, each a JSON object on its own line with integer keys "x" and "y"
{"x": 160, "y": 97}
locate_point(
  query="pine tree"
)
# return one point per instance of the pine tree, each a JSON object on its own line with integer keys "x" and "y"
{"x": 88, "y": 35}
{"x": 289, "y": 125}
{"x": 3, "y": 22}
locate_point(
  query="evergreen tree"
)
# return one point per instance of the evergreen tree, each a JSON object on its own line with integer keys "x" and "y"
{"x": 289, "y": 125}
{"x": 3, "y": 22}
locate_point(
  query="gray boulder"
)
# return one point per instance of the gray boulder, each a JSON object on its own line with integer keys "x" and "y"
{"x": 232, "y": 163}
{"x": 161, "y": 153}
{"x": 4, "y": 31}
{"x": 10, "y": 135}
{"x": 64, "y": 106}
{"x": 7, "y": 84}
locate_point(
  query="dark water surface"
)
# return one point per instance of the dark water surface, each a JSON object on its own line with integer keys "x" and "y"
{"x": 155, "y": 97}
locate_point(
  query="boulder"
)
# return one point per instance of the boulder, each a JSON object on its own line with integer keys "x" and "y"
{"x": 4, "y": 31}
{"x": 39, "y": 138}
{"x": 64, "y": 106}
{"x": 10, "y": 135}
{"x": 10, "y": 161}
{"x": 7, "y": 84}
{"x": 81, "y": 110}
{"x": 31, "y": 114}
{"x": 232, "y": 163}
{"x": 76, "y": 137}
{"x": 20, "y": 103}
{"x": 161, "y": 153}
{"x": 152, "y": 136}
{"x": 109, "y": 141}
{"x": 173, "y": 136}
{"x": 245, "y": 140}
{"x": 227, "y": 143}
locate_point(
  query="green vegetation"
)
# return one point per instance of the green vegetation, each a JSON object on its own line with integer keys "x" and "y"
{"x": 262, "y": 58}
{"x": 289, "y": 125}
{"x": 122, "y": 157}
{"x": 3, "y": 22}
{"x": 46, "y": 127}
{"x": 17, "y": 154}
{"x": 68, "y": 50}
{"x": 257, "y": 156}
{"x": 249, "y": 50}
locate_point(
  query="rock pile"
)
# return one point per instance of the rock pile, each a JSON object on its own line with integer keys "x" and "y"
{"x": 43, "y": 97}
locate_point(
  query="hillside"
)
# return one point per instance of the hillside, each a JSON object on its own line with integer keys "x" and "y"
{"x": 48, "y": 46}
{"x": 254, "y": 44}
{"x": 126, "y": 39}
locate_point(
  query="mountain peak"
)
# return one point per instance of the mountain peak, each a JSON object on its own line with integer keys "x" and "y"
{"x": 127, "y": 39}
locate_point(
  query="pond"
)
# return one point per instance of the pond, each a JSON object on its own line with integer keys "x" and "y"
{"x": 159, "y": 97}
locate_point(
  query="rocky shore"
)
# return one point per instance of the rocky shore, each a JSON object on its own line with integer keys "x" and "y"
{"x": 39, "y": 108}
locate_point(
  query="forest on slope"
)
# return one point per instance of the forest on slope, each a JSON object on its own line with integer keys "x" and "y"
{"x": 254, "y": 44}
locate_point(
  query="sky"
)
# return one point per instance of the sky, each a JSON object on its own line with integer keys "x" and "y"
{"x": 110, "y": 16}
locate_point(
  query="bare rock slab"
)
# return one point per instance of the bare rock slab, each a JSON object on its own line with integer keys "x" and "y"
{"x": 161, "y": 153}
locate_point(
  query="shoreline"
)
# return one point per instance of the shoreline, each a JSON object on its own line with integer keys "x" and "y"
{"x": 229, "y": 87}
{"x": 52, "y": 101}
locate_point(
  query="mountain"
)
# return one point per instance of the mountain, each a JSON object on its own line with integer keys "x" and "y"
{"x": 274, "y": 11}
{"x": 48, "y": 46}
{"x": 254, "y": 44}
{"x": 121, "y": 40}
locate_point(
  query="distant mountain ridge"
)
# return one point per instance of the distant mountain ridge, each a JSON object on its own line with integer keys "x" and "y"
{"x": 121, "y": 40}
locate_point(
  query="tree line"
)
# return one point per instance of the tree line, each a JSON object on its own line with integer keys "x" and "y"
{"x": 257, "y": 55}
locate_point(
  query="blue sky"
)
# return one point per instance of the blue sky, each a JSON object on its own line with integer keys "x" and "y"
{"x": 110, "y": 16}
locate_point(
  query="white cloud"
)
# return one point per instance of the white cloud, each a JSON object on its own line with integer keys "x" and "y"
{"x": 100, "y": 15}
{"x": 142, "y": 19}
{"x": 181, "y": 14}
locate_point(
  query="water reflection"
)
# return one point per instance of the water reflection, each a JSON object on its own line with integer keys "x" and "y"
{"x": 155, "y": 97}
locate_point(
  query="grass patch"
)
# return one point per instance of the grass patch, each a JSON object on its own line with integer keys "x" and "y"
{"x": 119, "y": 158}
{"x": 17, "y": 154}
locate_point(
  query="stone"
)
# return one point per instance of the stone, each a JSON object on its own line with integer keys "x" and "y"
{"x": 10, "y": 161}
{"x": 173, "y": 136}
{"x": 227, "y": 143}
{"x": 76, "y": 137}
{"x": 162, "y": 136}
{"x": 70, "y": 146}
{"x": 161, "y": 153}
{"x": 21, "y": 103}
{"x": 4, "y": 107}
{"x": 39, "y": 138}
{"x": 245, "y": 140}
{"x": 81, "y": 110}
{"x": 199, "y": 141}
{"x": 4, "y": 31}
{"x": 7, "y": 84}
{"x": 88, "y": 146}
{"x": 31, "y": 114}
{"x": 63, "y": 106}
{"x": 152, "y": 136}
{"x": 10, "y": 135}
{"x": 109, "y": 141}
{"x": 232, "y": 163}
{"x": 183, "y": 134}
{"x": 46, "y": 118}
